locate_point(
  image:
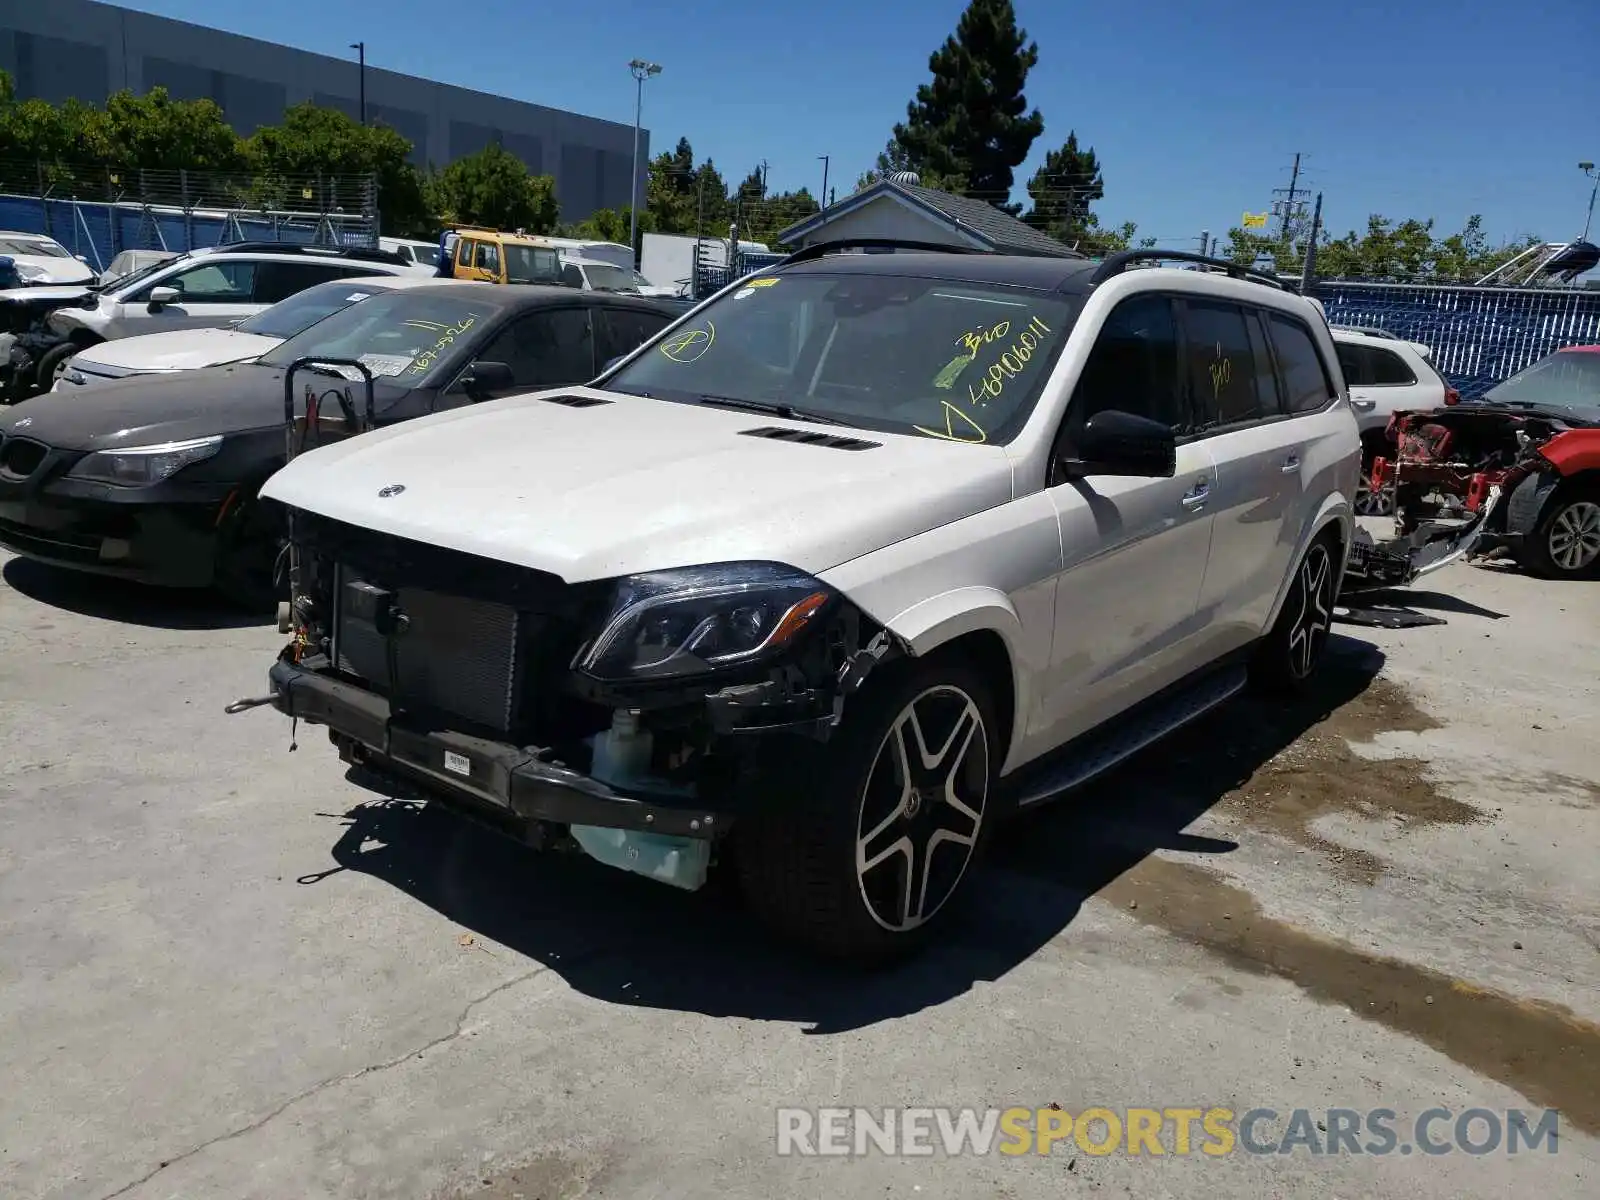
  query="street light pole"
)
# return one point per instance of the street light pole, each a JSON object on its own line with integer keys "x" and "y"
{"x": 822, "y": 200}
{"x": 1588, "y": 169}
{"x": 361, "y": 57}
{"x": 641, "y": 70}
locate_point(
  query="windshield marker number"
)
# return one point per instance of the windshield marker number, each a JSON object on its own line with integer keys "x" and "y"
{"x": 1010, "y": 363}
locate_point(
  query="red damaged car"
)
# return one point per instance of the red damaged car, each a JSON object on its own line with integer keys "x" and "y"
{"x": 1535, "y": 438}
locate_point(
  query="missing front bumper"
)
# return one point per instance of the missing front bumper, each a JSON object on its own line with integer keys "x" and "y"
{"x": 512, "y": 783}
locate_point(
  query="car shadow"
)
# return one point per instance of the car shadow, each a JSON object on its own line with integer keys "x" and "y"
{"x": 1431, "y": 601}
{"x": 631, "y": 941}
{"x": 112, "y": 599}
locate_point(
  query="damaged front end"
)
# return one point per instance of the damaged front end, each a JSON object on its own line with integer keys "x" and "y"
{"x": 635, "y": 718}
{"x": 1468, "y": 482}
{"x": 24, "y": 336}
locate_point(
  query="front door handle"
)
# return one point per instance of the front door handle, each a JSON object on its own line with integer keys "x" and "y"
{"x": 1364, "y": 405}
{"x": 1290, "y": 464}
{"x": 1195, "y": 499}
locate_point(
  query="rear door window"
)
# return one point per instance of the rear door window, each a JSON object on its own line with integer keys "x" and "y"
{"x": 1304, "y": 378}
{"x": 277, "y": 281}
{"x": 549, "y": 348}
{"x": 1220, "y": 363}
{"x": 1388, "y": 368}
{"x": 620, "y": 331}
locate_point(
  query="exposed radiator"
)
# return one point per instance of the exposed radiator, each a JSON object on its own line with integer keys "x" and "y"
{"x": 457, "y": 656}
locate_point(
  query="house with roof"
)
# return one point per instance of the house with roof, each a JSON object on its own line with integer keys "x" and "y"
{"x": 898, "y": 208}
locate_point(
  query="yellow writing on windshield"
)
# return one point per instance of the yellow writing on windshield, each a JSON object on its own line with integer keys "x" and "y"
{"x": 686, "y": 345}
{"x": 976, "y": 339}
{"x": 958, "y": 426}
{"x": 1013, "y": 359}
{"x": 1221, "y": 372}
{"x": 447, "y": 335}
{"x": 947, "y": 377}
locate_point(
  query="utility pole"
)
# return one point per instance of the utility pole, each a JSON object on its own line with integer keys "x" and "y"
{"x": 1308, "y": 271}
{"x": 1291, "y": 209}
{"x": 822, "y": 197}
{"x": 763, "y": 179}
{"x": 1588, "y": 169}
{"x": 361, "y": 57}
{"x": 641, "y": 70}
{"x": 1205, "y": 241}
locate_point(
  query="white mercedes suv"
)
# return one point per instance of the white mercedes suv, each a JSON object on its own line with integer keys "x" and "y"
{"x": 865, "y": 552}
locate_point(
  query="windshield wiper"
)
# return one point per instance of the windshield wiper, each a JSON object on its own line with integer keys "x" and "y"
{"x": 787, "y": 411}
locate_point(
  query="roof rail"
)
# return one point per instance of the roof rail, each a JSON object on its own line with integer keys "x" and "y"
{"x": 878, "y": 245}
{"x": 359, "y": 253}
{"x": 1369, "y": 330}
{"x": 1116, "y": 264}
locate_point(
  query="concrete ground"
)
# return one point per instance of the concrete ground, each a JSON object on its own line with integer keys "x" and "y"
{"x": 228, "y": 971}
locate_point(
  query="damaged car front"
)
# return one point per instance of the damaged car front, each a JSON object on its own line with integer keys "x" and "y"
{"x": 1517, "y": 471}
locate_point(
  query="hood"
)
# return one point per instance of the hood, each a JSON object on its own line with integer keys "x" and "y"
{"x": 43, "y": 294}
{"x": 639, "y": 485}
{"x": 176, "y": 350}
{"x": 57, "y": 270}
{"x": 146, "y": 410}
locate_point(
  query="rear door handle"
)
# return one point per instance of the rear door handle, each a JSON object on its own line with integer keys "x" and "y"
{"x": 1290, "y": 464}
{"x": 1197, "y": 496}
{"x": 1364, "y": 405}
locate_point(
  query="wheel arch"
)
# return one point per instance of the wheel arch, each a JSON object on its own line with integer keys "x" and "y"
{"x": 980, "y": 626}
{"x": 1335, "y": 518}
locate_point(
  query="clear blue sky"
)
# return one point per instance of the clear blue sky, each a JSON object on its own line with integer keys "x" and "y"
{"x": 1435, "y": 108}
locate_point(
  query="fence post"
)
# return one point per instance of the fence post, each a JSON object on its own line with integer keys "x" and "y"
{"x": 188, "y": 213}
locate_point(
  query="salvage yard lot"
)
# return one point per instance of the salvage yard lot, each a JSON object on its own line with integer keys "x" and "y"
{"x": 228, "y": 970}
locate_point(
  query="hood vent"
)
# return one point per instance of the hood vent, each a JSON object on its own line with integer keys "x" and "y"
{"x": 576, "y": 401}
{"x": 810, "y": 437}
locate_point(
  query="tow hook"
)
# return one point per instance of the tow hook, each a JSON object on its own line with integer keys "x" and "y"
{"x": 239, "y": 706}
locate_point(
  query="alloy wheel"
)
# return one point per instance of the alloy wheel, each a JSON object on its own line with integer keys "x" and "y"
{"x": 922, "y": 808}
{"x": 1308, "y": 633}
{"x": 1370, "y": 503}
{"x": 1574, "y": 538}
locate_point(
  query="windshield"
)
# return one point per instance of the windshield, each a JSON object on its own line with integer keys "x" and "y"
{"x": 428, "y": 256}
{"x": 604, "y": 277}
{"x": 532, "y": 264}
{"x": 962, "y": 362}
{"x": 304, "y": 309}
{"x": 36, "y": 247}
{"x": 399, "y": 336}
{"x": 123, "y": 281}
{"x": 1566, "y": 379}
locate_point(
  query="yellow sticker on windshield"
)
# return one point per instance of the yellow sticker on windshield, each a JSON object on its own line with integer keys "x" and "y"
{"x": 952, "y": 370}
{"x": 764, "y": 281}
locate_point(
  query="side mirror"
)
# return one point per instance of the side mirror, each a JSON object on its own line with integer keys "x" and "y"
{"x": 1121, "y": 443}
{"x": 486, "y": 378}
{"x": 164, "y": 295}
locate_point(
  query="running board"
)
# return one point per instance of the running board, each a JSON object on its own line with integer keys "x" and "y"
{"x": 1097, "y": 752}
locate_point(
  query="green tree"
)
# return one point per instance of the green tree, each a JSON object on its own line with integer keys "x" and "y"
{"x": 1387, "y": 250}
{"x": 493, "y": 187}
{"x": 893, "y": 158}
{"x": 972, "y": 119}
{"x": 317, "y": 142}
{"x": 157, "y": 133}
{"x": 1063, "y": 189}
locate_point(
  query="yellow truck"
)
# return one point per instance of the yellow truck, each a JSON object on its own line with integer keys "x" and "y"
{"x": 494, "y": 256}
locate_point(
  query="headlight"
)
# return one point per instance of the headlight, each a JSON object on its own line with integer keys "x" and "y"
{"x": 697, "y": 619}
{"x": 138, "y": 465}
{"x": 29, "y": 273}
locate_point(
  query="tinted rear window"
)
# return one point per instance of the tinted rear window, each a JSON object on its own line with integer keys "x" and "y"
{"x": 1304, "y": 377}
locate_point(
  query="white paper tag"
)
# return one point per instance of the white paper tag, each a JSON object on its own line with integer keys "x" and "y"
{"x": 458, "y": 764}
{"x": 386, "y": 364}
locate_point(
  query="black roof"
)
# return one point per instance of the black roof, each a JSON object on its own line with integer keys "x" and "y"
{"x": 1053, "y": 274}
{"x": 533, "y": 295}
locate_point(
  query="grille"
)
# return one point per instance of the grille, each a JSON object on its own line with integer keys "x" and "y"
{"x": 21, "y": 456}
{"x": 457, "y": 655}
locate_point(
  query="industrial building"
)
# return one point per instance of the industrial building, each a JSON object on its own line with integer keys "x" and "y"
{"x": 58, "y": 49}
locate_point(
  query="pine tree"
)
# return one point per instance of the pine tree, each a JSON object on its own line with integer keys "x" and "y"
{"x": 971, "y": 121}
{"x": 1063, "y": 189}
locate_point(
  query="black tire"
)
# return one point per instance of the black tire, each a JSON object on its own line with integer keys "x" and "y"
{"x": 1566, "y": 543}
{"x": 249, "y": 569}
{"x": 1288, "y": 657}
{"x": 52, "y": 363}
{"x": 846, "y": 838}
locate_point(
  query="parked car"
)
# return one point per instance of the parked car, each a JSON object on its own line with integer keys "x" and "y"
{"x": 127, "y": 262}
{"x": 156, "y": 478}
{"x": 43, "y": 260}
{"x": 1385, "y": 375}
{"x": 608, "y": 277}
{"x": 866, "y": 551}
{"x": 1536, "y": 437}
{"x": 205, "y": 288}
{"x": 424, "y": 255}
{"x": 190, "y": 349}
{"x": 496, "y": 257}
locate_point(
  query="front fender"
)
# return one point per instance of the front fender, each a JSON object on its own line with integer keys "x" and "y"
{"x": 939, "y": 620}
